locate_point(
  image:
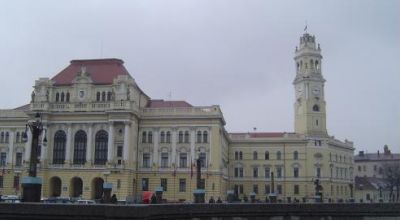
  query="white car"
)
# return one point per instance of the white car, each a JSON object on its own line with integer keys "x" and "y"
{"x": 85, "y": 202}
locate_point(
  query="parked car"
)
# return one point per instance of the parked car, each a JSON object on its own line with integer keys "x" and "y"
{"x": 85, "y": 202}
{"x": 10, "y": 199}
{"x": 59, "y": 200}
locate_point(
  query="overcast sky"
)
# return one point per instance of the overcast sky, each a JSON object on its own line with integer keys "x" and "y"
{"x": 236, "y": 54}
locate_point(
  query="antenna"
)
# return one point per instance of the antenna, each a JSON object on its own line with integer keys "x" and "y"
{"x": 170, "y": 96}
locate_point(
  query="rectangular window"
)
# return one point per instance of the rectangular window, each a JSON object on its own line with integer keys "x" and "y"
{"x": 236, "y": 171}
{"x": 236, "y": 189}
{"x": 241, "y": 189}
{"x": 145, "y": 184}
{"x": 18, "y": 159}
{"x": 296, "y": 189}
{"x": 118, "y": 183}
{"x": 3, "y": 158}
{"x": 255, "y": 188}
{"x": 183, "y": 160}
{"x": 267, "y": 189}
{"x": 241, "y": 172}
{"x": 279, "y": 189}
{"x": 255, "y": 172}
{"x": 16, "y": 182}
{"x": 119, "y": 150}
{"x": 319, "y": 172}
{"x": 164, "y": 160}
{"x": 279, "y": 172}
{"x": 146, "y": 160}
{"x": 267, "y": 172}
{"x": 203, "y": 159}
{"x": 375, "y": 168}
{"x": 1, "y": 181}
{"x": 236, "y": 155}
{"x": 296, "y": 172}
{"x": 182, "y": 185}
{"x": 164, "y": 184}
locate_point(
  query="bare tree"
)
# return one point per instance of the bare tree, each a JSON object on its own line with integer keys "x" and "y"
{"x": 391, "y": 173}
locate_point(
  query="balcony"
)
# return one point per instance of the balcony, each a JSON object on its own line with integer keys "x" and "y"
{"x": 84, "y": 106}
{"x": 183, "y": 111}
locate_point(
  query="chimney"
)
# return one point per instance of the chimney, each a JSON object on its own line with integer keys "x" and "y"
{"x": 361, "y": 153}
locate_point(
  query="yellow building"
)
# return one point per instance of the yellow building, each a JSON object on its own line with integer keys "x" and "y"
{"x": 102, "y": 128}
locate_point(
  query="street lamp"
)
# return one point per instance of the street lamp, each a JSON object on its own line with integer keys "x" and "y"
{"x": 199, "y": 192}
{"x": 32, "y": 185}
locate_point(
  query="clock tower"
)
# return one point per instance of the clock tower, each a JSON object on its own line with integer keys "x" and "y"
{"x": 309, "y": 107}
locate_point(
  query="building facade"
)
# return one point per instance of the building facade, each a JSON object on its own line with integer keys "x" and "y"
{"x": 102, "y": 128}
{"x": 371, "y": 171}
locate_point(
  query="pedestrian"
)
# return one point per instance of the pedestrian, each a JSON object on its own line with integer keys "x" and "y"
{"x": 114, "y": 199}
{"x": 211, "y": 200}
{"x": 219, "y": 200}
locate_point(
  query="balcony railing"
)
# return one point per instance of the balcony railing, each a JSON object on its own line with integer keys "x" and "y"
{"x": 83, "y": 106}
{"x": 185, "y": 111}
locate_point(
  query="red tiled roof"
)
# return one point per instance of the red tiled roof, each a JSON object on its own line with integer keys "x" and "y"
{"x": 101, "y": 71}
{"x": 159, "y": 103}
{"x": 262, "y": 134}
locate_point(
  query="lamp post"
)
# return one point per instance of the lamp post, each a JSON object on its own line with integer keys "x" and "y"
{"x": 32, "y": 185}
{"x": 199, "y": 192}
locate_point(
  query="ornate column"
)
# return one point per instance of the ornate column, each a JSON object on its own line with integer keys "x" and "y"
{"x": 68, "y": 144}
{"x": 43, "y": 152}
{"x": 11, "y": 148}
{"x": 192, "y": 144}
{"x": 156, "y": 146}
{"x": 110, "y": 157}
{"x": 28, "y": 146}
{"x": 89, "y": 144}
{"x": 127, "y": 132}
{"x": 173, "y": 139}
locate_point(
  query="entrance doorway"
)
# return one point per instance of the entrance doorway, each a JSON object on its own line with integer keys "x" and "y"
{"x": 55, "y": 186}
{"x": 76, "y": 187}
{"x": 97, "y": 188}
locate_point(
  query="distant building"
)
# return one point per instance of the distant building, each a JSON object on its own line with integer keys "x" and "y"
{"x": 369, "y": 172}
{"x": 102, "y": 128}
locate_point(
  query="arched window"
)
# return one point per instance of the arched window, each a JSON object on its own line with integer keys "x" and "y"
{"x": 62, "y": 97}
{"x": 59, "y": 147}
{"x": 301, "y": 64}
{"x": 144, "y": 135}
{"x": 180, "y": 137}
{"x": 109, "y": 96}
{"x": 103, "y": 96}
{"x": 298, "y": 66}
{"x": 317, "y": 65}
{"x": 168, "y": 137}
{"x": 311, "y": 64}
{"x": 255, "y": 155}
{"x": 101, "y": 148}
{"x": 57, "y": 97}
{"x": 150, "y": 137}
{"x": 186, "y": 136}
{"x": 240, "y": 155}
{"x": 315, "y": 108}
{"x": 7, "y": 137}
{"x": 98, "y": 96}
{"x": 205, "y": 137}
{"x": 67, "y": 97}
{"x": 80, "y": 147}
{"x": 295, "y": 155}
{"x": 278, "y": 155}
{"x": 162, "y": 137}
{"x": 199, "y": 137}
{"x": 266, "y": 155}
